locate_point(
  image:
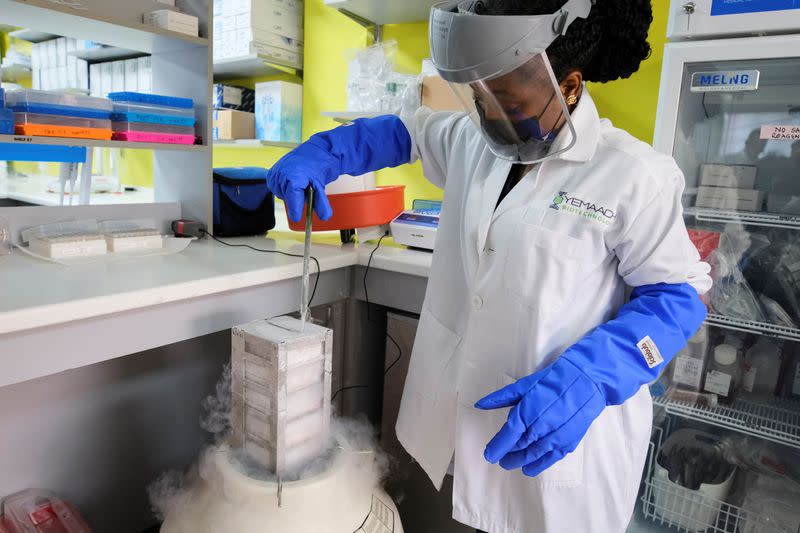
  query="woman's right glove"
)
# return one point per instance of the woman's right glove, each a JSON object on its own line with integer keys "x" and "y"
{"x": 364, "y": 146}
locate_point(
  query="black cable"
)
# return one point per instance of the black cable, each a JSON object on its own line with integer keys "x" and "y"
{"x": 369, "y": 319}
{"x": 333, "y": 398}
{"x": 366, "y": 298}
{"x": 232, "y": 245}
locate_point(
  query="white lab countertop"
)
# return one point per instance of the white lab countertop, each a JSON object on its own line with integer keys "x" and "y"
{"x": 35, "y": 189}
{"x": 38, "y": 294}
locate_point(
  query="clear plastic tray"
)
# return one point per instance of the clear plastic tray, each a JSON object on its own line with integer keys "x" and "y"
{"x": 149, "y": 137}
{"x": 124, "y": 127}
{"x": 52, "y": 98}
{"x": 35, "y": 125}
{"x": 58, "y": 120}
{"x": 128, "y": 112}
{"x": 152, "y": 99}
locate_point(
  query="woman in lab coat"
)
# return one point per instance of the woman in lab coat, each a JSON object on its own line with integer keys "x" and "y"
{"x": 528, "y": 376}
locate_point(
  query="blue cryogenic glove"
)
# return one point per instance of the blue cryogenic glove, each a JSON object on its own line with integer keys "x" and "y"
{"x": 553, "y": 408}
{"x": 363, "y": 146}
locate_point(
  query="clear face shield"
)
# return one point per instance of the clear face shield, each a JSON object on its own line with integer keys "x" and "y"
{"x": 498, "y": 68}
{"x": 520, "y": 112}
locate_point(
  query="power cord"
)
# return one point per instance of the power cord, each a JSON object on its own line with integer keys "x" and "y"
{"x": 299, "y": 256}
{"x": 369, "y": 319}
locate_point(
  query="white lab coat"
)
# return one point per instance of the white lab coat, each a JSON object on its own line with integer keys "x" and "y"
{"x": 510, "y": 289}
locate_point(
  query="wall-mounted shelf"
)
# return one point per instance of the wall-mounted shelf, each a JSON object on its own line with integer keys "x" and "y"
{"x": 345, "y": 117}
{"x": 116, "y": 24}
{"x": 33, "y": 36}
{"x": 92, "y": 143}
{"x": 253, "y": 143}
{"x": 759, "y": 328}
{"x": 381, "y": 12}
{"x": 777, "y": 420}
{"x": 105, "y": 53}
{"x": 771, "y": 220}
{"x": 252, "y": 66}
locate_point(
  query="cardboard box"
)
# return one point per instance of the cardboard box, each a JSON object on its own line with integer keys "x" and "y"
{"x": 284, "y": 17}
{"x": 230, "y": 124}
{"x": 117, "y": 76}
{"x": 734, "y": 176}
{"x": 94, "y": 81}
{"x": 279, "y": 111}
{"x": 231, "y": 97}
{"x": 106, "y": 75}
{"x": 132, "y": 75}
{"x": 437, "y": 95}
{"x": 145, "y": 73}
{"x": 61, "y": 52}
{"x": 173, "y": 21}
{"x": 269, "y": 38}
{"x": 730, "y": 198}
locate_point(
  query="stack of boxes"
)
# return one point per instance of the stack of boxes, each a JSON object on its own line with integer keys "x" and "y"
{"x": 131, "y": 75}
{"x": 140, "y": 117}
{"x": 271, "y": 28}
{"x": 53, "y": 114}
{"x": 55, "y": 66}
{"x": 729, "y": 187}
{"x": 233, "y": 113}
{"x": 273, "y": 112}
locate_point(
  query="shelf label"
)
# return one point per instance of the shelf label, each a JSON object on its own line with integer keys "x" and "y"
{"x": 739, "y": 7}
{"x": 780, "y": 133}
{"x": 718, "y": 383}
{"x": 725, "y": 81}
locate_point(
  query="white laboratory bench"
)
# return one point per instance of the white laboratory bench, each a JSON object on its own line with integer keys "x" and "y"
{"x": 68, "y": 317}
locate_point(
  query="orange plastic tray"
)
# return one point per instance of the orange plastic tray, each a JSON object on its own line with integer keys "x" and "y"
{"x": 359, "y": 209}
{"x": 47, "y": 130}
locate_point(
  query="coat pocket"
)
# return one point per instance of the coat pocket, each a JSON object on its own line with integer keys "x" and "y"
{"x": 434, "y": 347}
{"x": 543, "y": 266}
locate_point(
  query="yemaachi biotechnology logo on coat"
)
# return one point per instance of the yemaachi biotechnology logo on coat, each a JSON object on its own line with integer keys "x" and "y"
{"x": 568, "y": 203}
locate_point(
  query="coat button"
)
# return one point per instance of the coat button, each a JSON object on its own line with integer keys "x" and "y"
{"x": 477, "y": 303}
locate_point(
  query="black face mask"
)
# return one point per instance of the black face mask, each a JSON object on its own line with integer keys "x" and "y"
{"x": 505, "y": 133}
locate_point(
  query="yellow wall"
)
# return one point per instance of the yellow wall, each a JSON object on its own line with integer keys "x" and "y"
{"x": 630, "y": 104}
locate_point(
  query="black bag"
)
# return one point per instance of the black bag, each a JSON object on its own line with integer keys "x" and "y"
{"x": 243, "y": 204}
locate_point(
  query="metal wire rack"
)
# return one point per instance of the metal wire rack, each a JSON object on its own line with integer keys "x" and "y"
{"x": 690, "y": 511}
{"x": 761, "y": 328}
{"x": 776, "y": 420}
{"x": 770, "y": 220}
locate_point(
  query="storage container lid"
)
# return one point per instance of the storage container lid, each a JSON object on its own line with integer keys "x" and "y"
{"x": 725, "y": 354}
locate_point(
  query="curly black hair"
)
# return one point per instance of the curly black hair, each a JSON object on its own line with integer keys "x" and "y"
{"x": 610, "y": 44}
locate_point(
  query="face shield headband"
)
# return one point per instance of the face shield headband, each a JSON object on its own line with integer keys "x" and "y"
{"x": 498, "y": 68}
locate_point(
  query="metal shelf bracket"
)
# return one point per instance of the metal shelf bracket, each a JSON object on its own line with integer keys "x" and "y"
{"x": 375, "y": 30}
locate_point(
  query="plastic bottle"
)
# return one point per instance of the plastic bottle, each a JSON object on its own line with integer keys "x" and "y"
{"x": 724, "y": 373}
{"x": 761, "y": 368}
{"x": 691, "y": 361}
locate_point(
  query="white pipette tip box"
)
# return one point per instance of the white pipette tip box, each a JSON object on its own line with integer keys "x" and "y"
{"x": 69, "y": 246}
{"x": 281, "y": 389}
{"x": 134, "y": 241}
